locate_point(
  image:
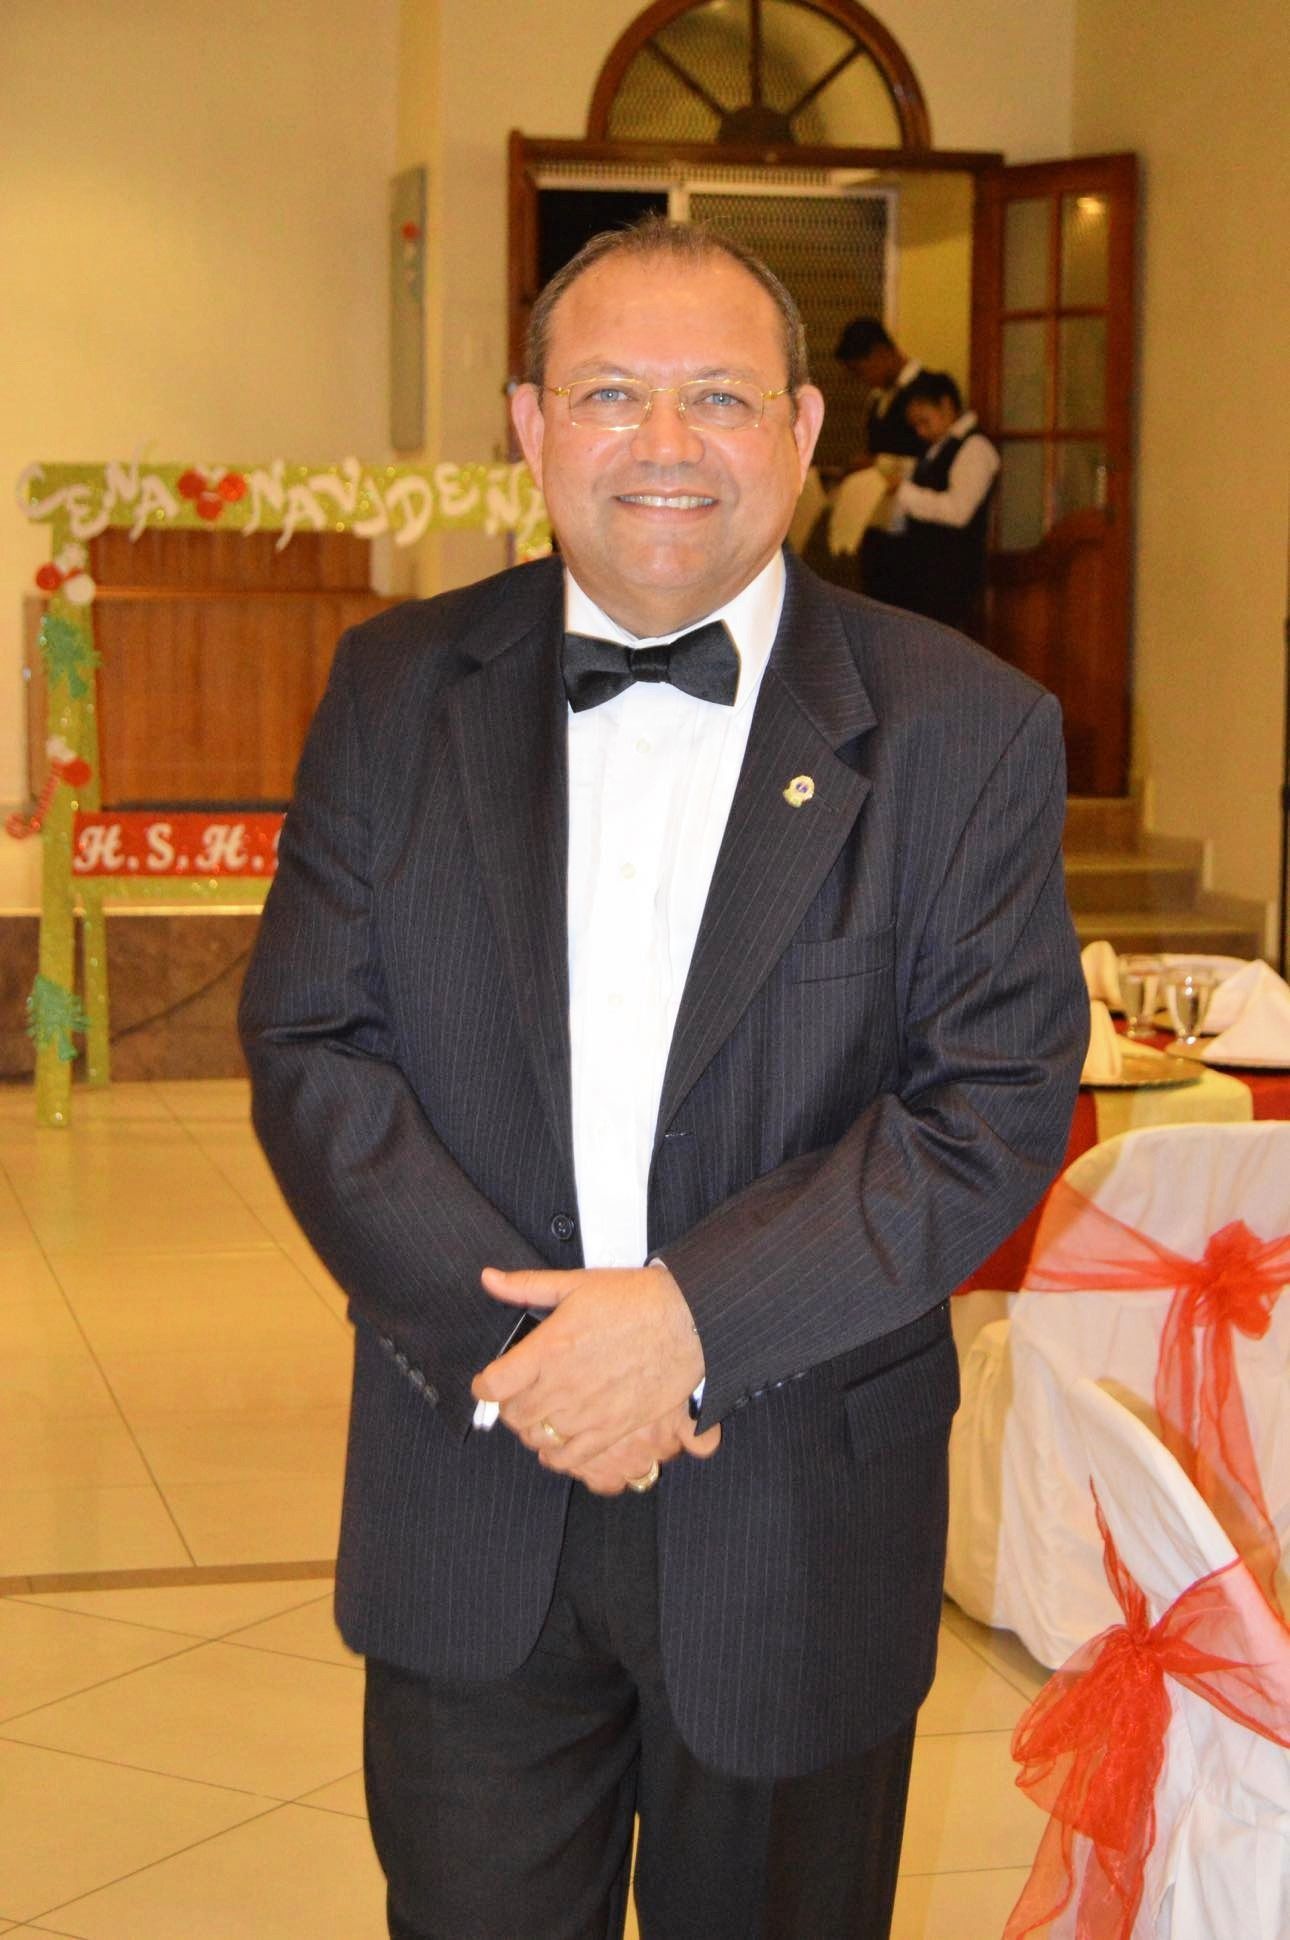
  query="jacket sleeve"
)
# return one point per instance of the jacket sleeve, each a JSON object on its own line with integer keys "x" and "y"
{"x": 842, "y": 1245}
{"x": 392, "y": 1214}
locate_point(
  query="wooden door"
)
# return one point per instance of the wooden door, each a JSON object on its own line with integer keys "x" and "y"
{"x": 1052, "y": 380}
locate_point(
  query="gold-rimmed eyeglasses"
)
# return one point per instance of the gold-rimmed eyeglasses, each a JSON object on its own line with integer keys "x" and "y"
{"x": 624, "y": 403}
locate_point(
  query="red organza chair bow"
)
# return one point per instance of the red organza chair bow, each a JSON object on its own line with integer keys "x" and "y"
{"x": 1233, "y": 1286}
{"x": 1092, "y": 1744}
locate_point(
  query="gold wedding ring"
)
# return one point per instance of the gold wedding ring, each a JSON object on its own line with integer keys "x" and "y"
{"x": 646, "y": 1481}
{"x": 553, "y": 1435}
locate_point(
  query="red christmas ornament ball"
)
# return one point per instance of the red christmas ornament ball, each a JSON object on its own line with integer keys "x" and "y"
{"x": 48, "y": 578}
{"x": 191, "y": 485}
{"x": 232, "y": 487}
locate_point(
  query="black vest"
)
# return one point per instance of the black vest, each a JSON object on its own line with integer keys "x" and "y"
{"x": 943, "y": 572}
{"x": 890, "y": 430}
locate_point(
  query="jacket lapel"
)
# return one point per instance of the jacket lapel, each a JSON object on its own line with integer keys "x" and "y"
{"x": 509, "y": 734}
{"x": 774, "y": 856}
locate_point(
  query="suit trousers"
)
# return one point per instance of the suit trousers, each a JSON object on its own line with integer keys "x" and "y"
{"x": 504, "y": 1810}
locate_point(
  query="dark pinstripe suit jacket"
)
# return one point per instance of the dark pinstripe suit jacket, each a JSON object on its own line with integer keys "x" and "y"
{"x": 869, "y": 1084}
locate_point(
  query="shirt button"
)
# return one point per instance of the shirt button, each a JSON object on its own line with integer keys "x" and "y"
{"x": 643, "y": 746}
{"x": 627, "y": 871}
{"x": 615, "y": 1000}
{"x": 564, "y": 1226}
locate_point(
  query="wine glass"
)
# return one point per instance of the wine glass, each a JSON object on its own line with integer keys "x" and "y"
{"x": 1140, "y": 993}
{"x": 1188, "y": 990}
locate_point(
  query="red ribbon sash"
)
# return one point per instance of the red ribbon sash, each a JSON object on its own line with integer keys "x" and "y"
{"x": 1235, "y": 1284}
{"x": 1092, "y": 1744}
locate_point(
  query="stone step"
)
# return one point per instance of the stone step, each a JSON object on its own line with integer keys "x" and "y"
{"x": 1179, "y": 931}
{"x": 1141, "y": 884}
{"x": 1101, "y": 822}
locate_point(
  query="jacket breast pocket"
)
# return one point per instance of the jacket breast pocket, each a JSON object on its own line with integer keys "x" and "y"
{"x": 861, "y": 955}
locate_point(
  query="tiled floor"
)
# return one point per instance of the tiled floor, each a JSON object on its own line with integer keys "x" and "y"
{"x": 179, "y": 1754}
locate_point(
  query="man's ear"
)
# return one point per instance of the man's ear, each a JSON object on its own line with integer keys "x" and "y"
{"x": 807, "y": 422}
{"x": 530, "y": 427}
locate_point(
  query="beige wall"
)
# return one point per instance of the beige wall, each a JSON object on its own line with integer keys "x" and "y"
{"x": 996, "y": 75}
{"x": 934, "y": 299}
{"x": 1198, "y": 90}
{"x": 192, "y": 228}
{"x": 192, "y": 246}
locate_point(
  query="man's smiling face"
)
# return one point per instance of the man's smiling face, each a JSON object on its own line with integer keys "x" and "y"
{"x": 663, "y": 524}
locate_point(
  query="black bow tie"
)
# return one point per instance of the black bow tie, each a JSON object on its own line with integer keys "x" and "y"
{"x": 702, "y": 662}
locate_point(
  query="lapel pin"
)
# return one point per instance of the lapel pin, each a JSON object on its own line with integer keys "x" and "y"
{"x": 799, "y": 790}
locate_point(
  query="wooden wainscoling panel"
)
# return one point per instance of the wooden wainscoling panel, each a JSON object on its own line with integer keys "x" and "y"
{"x": 214, "y": 654}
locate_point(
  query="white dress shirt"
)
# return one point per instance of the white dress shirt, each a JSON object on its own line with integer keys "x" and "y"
{"x": 652, "y": 774}
{"x": 972, "y": 473}
{"x": 884, "y": 399}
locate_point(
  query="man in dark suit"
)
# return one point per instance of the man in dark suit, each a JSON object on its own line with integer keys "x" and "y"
{"x": 671, "y": 948}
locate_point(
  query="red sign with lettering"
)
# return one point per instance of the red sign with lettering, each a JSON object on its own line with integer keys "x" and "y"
{"x": 160, "y": 843}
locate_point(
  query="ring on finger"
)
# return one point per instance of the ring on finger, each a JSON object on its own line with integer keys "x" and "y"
{"x": 553, "y": 1435}
{"x": 641, "y": 1483}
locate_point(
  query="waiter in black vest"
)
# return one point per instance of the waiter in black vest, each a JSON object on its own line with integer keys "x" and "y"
{"x": 869, "y": 353}
{"x": 946, "y": 508}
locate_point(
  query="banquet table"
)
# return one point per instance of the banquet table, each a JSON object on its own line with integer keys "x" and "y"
{"x": 1218, "y": 1097}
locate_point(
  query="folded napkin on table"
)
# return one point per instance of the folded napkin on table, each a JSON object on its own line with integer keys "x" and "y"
{"x": 1101, "y": 973}
{"x": 1104, "y": 1063}
{"x": 1235, "y": 976}
{"x": 1262, "y": 1030}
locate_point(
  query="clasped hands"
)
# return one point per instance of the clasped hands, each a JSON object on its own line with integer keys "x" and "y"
{"x": 601, "y": 1389}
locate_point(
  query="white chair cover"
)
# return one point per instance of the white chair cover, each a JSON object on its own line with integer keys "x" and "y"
{"x": 1024, "y": 1552}
{"x": 1220, "y": 1865}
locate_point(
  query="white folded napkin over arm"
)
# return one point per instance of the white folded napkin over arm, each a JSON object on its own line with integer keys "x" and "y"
{"x": 1104, "y": 1063}
{"x": 1261, "y": 1031}
{"x": 857, "y": 503}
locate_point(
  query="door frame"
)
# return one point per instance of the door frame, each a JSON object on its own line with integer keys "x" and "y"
{"x": 529, "y": 154}
{"x": 1106, "y": 528}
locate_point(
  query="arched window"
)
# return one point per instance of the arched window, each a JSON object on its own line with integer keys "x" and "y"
{"x": 801, "y": 73}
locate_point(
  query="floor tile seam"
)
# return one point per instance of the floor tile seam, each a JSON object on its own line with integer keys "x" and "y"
{"x": 10, "y": 1489}
{"x": 302, "y": 1798}
{"x": 253, "y": 1251}
{"x": 102, "y": 1616}
{"x": 991, "y": 1663}
{"x": 187, "y": 1647}
{"x": 335, "y": 1811}
{"x": 37, "y": 1602}
{"x": 169, "y": 1576}
{"x": 965, "y": 1731}
{"x": 159, "y": 1094}
{"x": 295, "y": 1656}
{"x": 254, "y": 1211}
{"x": 37, "y": 1244}
{"x": 136, "y": 1872}
{"x": 156, "y": 1771}
{"x": 120, "y": 1408}
{"x": 230, "y": 1636}
{"x": 962, "y": 1872}
{"x": 982, "y": 1731}
{"x": 258, "y": 1247}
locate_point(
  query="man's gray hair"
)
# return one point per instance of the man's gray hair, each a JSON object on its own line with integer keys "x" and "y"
{"x": 684, "y": 243}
